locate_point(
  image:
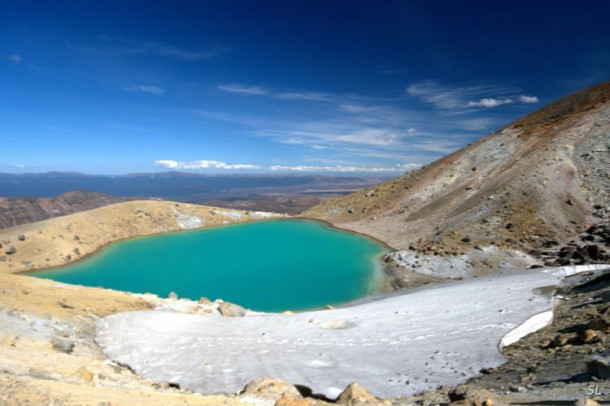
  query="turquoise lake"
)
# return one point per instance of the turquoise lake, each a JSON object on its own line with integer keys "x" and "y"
{"x": 273, "y": 265}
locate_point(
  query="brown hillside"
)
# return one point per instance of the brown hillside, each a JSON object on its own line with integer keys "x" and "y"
{"x": 21, "y": 210}
{"x": 541, "y": 179}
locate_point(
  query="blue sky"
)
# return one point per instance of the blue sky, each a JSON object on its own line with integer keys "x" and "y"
{"x": 335, "y": 87}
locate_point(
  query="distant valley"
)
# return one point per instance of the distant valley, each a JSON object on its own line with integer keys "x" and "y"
{"x": 32, "y": 197}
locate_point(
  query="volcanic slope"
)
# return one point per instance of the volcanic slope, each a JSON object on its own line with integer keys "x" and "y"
{"x": 21, "y": 210}
{"x": 536, "y": 183}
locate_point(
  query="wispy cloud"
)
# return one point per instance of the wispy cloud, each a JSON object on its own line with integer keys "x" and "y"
{"x": 309, "y": 96}
{"x": 15, "y": 58}
{"x": 243, "y": 89}
{"x": 489, "y": 102}
{"x": 203, "y": 164}
{"x": 528, "y": 99}
{"x": 365, "y": 130}
{"x": 17, "y": 165}
{"x": 127, "y": 46}
{"x": 446, "y": 97}
{"x": 342, "y": 169}
{"x": 146, "y": 89}
{"x": 440, "y": 146}
{"x": 337, "y": 134}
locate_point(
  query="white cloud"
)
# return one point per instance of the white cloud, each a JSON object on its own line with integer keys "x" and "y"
{"x": 146, "y": 89}
{"x": 203, "y": 164}
{"x": 528, "y": 99}
{"x": 343, "y": 169}
{"x": 456, "y": 97}
{"x": 251, "y": 90}
{"x": 15, "y": 58}
{"x": 20, "y": 166}
{"x": 489, "y": 102}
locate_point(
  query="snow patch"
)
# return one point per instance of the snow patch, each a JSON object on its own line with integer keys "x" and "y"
{"x": 229, "y": 214}
{"x": 530, "y": 326}
{"x": 187, "y": 221}
{"x": 265, "y": 215}
{"x": 441, "y": 335}
{"x": 564, "y": 271}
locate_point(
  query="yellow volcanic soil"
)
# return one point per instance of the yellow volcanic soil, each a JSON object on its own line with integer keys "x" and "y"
{"x": 61, "y": 240}
{"x": 32, "y": 371}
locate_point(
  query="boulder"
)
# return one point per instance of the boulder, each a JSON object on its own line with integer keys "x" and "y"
{"x": 599, "y": 366}
{"x": 354, "y": 394}
{"x": 62, "y": 344}
{"x": 11, "y": 250}
{"x": 228, "y": 309}
{"x": 273, "y": 389}
{"x": 84, "y": 374}
{"x": 472, "y": 396}
{"x": 588, "y": 336}
{"x": 204, "y": 300}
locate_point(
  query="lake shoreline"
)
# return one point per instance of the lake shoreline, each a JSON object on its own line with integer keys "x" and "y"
{"x": 282, "y": 264}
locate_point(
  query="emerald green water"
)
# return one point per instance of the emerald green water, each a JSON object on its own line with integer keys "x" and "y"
{"x": 267, "y": 266}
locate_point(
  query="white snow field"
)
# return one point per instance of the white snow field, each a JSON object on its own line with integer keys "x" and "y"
{"x": 398, "y": 345}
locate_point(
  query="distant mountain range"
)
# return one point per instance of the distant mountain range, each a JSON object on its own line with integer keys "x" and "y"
{"x": 25, "y": 198}
{"x": 180, "y": 186}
